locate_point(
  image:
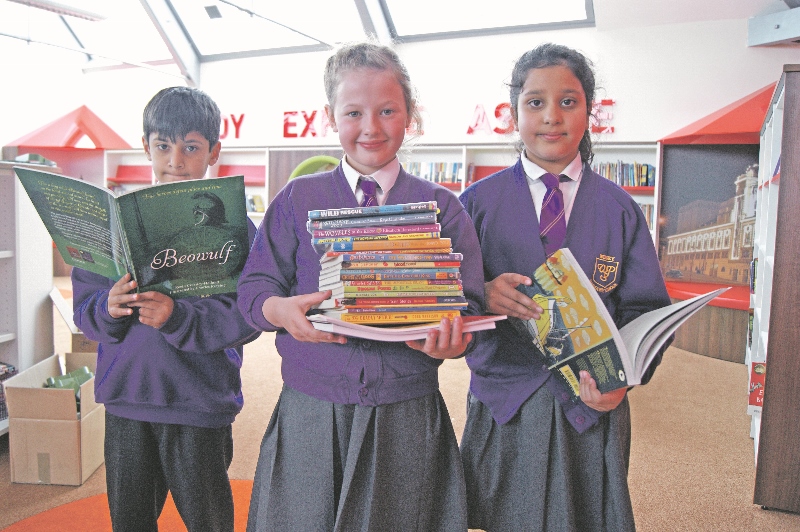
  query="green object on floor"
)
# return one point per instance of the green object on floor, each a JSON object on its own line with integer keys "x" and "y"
{"x": 73, "y": 379}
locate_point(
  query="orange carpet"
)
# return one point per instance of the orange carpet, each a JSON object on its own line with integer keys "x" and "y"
{"x": 91, "y": 514}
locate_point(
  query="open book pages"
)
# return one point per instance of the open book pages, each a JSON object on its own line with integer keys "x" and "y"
{"x": 645, "y": 335}
{"x": 400, "y": 333}
{"x": 575, "y": 331}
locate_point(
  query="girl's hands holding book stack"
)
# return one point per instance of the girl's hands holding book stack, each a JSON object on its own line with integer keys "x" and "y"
{"x": 445, "y": 342}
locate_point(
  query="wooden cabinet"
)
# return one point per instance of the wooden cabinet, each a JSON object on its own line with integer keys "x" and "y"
{"x": 776, "y": 335}
{"x": 26, "y": 276}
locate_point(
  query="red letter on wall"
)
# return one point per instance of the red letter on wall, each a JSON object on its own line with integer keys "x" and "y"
{"x": 480, "y": 122}
{"x": 237, "y": 124}
{"x": 503, "y": 114}
{"x": 309, "y": 124}
{"x": 289, "y": 123}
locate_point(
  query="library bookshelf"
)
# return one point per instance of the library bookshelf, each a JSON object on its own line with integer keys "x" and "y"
{"x": 454, "y": 166}
{"x": 775, "y": 334}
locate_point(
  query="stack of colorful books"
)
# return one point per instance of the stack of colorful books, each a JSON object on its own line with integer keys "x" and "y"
{"x": 386, "y": 265}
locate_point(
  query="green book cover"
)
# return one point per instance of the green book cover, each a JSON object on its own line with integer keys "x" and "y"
{"x": 187, "y": 238}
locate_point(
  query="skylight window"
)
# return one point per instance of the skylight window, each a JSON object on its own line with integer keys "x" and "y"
{"x": 246, "y": 27}
{"x": 410, "y": 19}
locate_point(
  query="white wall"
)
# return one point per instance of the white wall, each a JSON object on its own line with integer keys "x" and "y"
{"x": 661, "y": 77}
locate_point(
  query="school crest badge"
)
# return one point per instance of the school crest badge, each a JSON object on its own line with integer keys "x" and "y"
{"x": 605, "y": 273}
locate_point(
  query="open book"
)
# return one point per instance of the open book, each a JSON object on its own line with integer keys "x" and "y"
{"x": 575, "y": 331}
{"x": 187, "y": 238}
{"x": 401, "y": 333}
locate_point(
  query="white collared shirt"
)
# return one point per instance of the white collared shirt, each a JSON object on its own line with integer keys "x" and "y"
{"x": 569, "y": 189}
{"x": 385, "y": 177}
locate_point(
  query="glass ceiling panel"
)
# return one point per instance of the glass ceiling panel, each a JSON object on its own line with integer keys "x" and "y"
{"x": 230, "y": 27}
{"x": 123, "y": 33}
{"x": 447, "y": 16}
{"x": 222, "y": 29}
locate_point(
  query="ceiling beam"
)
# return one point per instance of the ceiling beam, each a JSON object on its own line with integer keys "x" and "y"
{"x": 782, "y": 27}
{"x": 176, "y": 39}
{"x": 374, "y": 20}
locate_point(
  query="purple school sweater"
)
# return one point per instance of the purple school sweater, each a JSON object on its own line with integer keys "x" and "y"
{"x": 283, "y": 263}
{"x": 185, "y": 373}
{"x": 605, "y": 225}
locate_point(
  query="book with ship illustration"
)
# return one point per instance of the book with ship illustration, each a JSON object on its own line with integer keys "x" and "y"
{"x": 575, "y": 331}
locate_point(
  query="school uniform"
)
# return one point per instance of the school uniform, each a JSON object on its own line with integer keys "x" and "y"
{"x": 360, "y": 438}
{"x": 171, "y": 395}
{"x": 534, "y": 458}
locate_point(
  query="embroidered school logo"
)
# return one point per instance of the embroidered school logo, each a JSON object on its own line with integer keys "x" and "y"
{"x": 604, "y": 278}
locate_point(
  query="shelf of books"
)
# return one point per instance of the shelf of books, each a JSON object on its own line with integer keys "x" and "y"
{"x": 762, "y": 266}
{"x": 6, "y": 372}
{"x": 456, "y": 166}
{"x": 633, "y": 166}
{"x": 441, "y": 164}
{"x": 774, "y": 335}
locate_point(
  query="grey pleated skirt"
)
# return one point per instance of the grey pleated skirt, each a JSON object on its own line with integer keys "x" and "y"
{"x": 330, "y": 467}
{"x": 537, "y": 473}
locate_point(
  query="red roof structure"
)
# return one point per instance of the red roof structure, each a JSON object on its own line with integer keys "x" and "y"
{"x": 737, "y": 123}
{"x": 66, "y": 131}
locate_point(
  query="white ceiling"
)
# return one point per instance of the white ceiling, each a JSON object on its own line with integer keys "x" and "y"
{"x": 146, "y": 31}
{"x": 617, "y": 14}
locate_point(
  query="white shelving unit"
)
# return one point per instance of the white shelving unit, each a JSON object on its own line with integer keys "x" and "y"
{"x": 478, "y": 160}
{"x": 639, "y": 153}
{"x": 764, "y": 249}
{"x": 252, "y": 163}
{"x": 775, "y": 311}
{"x": 126, "y": 170}
{"x": 475, "y": 160}
{"x": 26, "y": 270}
{"x": 469, "y": 157}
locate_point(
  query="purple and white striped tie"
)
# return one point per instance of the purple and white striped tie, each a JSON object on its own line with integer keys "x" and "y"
{"x": 369, "y": 188}
{"x": 552, "y": 221}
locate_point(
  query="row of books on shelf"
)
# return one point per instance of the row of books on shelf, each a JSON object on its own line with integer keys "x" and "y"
{"x": 649, "y": 213}
{"x": 255, "y": 203}
{"x": 6, "y": 372}
{"x": 438, "y": 172}
{"x": 627, "y": 174}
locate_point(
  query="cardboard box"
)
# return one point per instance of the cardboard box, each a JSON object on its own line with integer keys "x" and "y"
{"x": 50, "y": 441}
{"x": 80, "y": 344}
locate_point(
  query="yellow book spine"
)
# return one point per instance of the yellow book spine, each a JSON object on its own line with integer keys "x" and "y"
{"x": 400, "y": 317}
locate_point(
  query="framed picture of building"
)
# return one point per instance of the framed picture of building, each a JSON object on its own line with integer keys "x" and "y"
{"x": 707, "y": 213}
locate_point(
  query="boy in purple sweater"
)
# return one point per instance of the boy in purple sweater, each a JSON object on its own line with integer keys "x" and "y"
{"x": 167, "y": 370}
